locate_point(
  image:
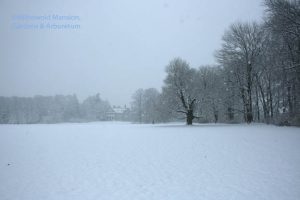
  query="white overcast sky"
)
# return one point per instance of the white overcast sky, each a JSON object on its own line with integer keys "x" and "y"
{"x": 120, "y": 47}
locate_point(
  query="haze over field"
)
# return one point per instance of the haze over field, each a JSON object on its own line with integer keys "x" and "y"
{"x": 120, "y": 46}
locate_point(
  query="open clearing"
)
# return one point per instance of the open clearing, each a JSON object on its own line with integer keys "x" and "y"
{"x": 129, "y": 161}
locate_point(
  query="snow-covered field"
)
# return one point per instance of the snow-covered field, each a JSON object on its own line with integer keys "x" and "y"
{"x": 129, "y": 161}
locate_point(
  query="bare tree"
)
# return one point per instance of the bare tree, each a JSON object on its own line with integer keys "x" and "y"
{"x": 283, "y": 21}
{"x": 240, "y": 49}
{"x": 180, "y": 86}
{"x": 137, "y": 105}
{"x": 210, "y": 84}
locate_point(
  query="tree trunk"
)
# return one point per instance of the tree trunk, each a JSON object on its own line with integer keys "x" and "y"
{"x": 270, "y": 99}
{"x": 249, "y": 110}
{"x": 290, "y": 103}
{"x": 249, "y": 114}
{"x": 189, "y": 117}
{"x": 257, "y": 104}
{"x": 244, "y": 104}
{"x": 230, "y": 114}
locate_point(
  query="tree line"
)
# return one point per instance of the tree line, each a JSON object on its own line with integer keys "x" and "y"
{"x": 257, "y": 78}
{"x": 52, "y": 109}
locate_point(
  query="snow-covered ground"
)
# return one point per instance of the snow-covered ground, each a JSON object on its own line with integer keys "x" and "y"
{"x": 129, "y": 161}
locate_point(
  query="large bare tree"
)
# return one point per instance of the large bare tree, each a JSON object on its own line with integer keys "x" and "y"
{"x": 240, "y": 49}
{"x": 180, "y": 87}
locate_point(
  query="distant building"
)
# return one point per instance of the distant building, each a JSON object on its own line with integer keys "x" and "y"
{"x": 118, "y": 113}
